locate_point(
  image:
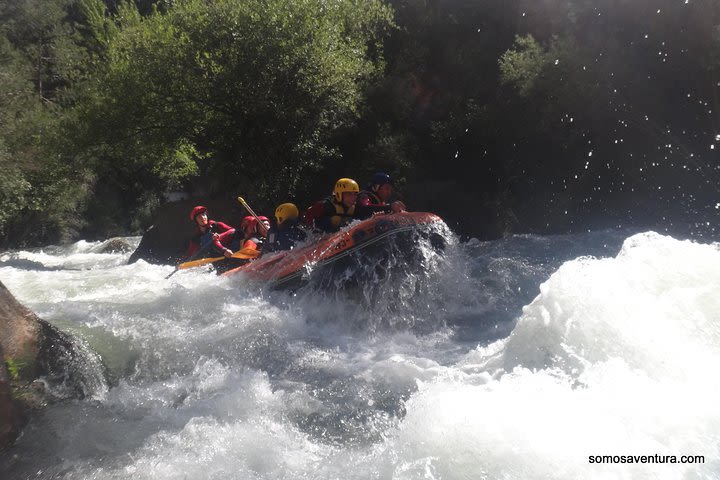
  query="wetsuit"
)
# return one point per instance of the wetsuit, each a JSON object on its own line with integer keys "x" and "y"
{"x": 368, "y": 204}
{"x": 284, "y": 236}
{"x": 334, "y": 216}
{"x": 201, "y": 239}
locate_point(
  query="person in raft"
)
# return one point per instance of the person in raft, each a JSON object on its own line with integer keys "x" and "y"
{"x": 337, "y": 210}
{"x": 209, "y": 231}
{"x": 254, "y": 232}
{"x": 375, "y": 199}
{"x": 287, "y": 231}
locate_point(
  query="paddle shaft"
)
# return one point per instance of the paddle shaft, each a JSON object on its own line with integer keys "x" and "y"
{"x": 193, "y": 257}
{"x": 251, "y": 212}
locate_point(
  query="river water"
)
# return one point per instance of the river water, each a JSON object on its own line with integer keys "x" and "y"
{"x": 514, "y": 359}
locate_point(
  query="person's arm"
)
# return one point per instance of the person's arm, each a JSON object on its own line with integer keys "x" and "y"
{"x": 364, "y": 208}
{"x": 224, "y": 240}
{"x": 373, "y": 208}
{"x": 220, "y": 227}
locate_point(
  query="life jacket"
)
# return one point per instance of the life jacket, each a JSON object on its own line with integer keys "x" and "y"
{"x": 202, "y": 239}
{"x": 327, "y": 215}
{"x": 342, "y": 216}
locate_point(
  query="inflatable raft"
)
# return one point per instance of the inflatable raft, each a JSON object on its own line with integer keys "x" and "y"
{"x": 331, "y": 253}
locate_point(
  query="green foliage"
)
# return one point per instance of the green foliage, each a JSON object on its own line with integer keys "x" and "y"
{"x": 13, "y": 368}
{"x": 242, "y": 90}
{"x": 41, "y": 187}
{"x": 105, "y": 105}
{"x": 522, "y": 65}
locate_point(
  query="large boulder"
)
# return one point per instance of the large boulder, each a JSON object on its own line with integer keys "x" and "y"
{"x": 11, "y": 417}
{"x": 19, "y": 335}
{"x": 41, "y": 364}
{"x": 167, "y": 239}
{"x": 113, "y": 245}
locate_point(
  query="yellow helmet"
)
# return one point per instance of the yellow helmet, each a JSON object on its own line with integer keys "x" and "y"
{"x": 285, "y": 211}
{"x": 345, "y": 185}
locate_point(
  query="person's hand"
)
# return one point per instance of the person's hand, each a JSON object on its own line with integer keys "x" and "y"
{"x": 397, "y": 206}
{"x": 228, "y": 253}
{"x": 216, "y": 235}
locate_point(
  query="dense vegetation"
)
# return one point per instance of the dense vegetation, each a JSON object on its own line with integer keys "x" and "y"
{"x": 506, "y": 116}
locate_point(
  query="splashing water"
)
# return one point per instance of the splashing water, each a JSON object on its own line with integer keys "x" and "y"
{"x": 431, "y": 369}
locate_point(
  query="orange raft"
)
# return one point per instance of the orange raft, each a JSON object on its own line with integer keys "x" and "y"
{"x": 291, "y": 267}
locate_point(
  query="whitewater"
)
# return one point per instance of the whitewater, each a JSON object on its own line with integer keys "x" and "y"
{"x": 519, "y": 358}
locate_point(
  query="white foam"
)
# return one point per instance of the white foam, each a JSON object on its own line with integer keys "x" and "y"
{"x": 614, "y": 357}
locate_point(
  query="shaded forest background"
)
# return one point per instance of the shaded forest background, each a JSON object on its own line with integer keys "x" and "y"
{"x": 502, "y": 116}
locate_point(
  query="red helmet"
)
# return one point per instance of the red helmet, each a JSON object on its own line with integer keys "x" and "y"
{"x": 248, "y": 221}
{"x": 197, "y": 211}
{"x": 252, "y": 222}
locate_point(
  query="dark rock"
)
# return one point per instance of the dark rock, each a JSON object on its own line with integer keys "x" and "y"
{"x": 41, "y": 363}
{"x": 25, "y": 264}
{"x": 19, "y": 330}
{"x": 167, "y": 239}
{"x": 114, "y": 245}
{"x": 11, "y": 417}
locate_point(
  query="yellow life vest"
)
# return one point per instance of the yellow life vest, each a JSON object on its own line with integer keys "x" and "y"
{"x": 344, "y": 215}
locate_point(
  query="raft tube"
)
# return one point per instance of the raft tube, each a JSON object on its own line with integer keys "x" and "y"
{"x": 290, "y": 267}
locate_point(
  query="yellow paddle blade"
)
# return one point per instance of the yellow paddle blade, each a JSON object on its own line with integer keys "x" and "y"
{"x": 198, "y": 263}
{"x": 246, "y": 253}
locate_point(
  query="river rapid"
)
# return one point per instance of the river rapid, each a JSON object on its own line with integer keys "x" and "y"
{"x": 519, "y": 358}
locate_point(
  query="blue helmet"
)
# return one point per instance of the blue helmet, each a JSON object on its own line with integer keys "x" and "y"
{"x": 380, "y": 179}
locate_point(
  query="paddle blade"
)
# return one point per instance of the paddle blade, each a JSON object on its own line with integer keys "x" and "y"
{"x": 246, "y": 253}
{"x": 198, "y": 263}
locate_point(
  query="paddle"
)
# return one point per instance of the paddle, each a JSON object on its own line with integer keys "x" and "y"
{"x": 193, "y": 257}
{"x": 250, "y": 211}
{"x": 247, "y": 253}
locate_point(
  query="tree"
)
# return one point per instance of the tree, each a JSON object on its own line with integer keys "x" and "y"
{"x": 41, "y": 188}
{"x": 249, "y": 92}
